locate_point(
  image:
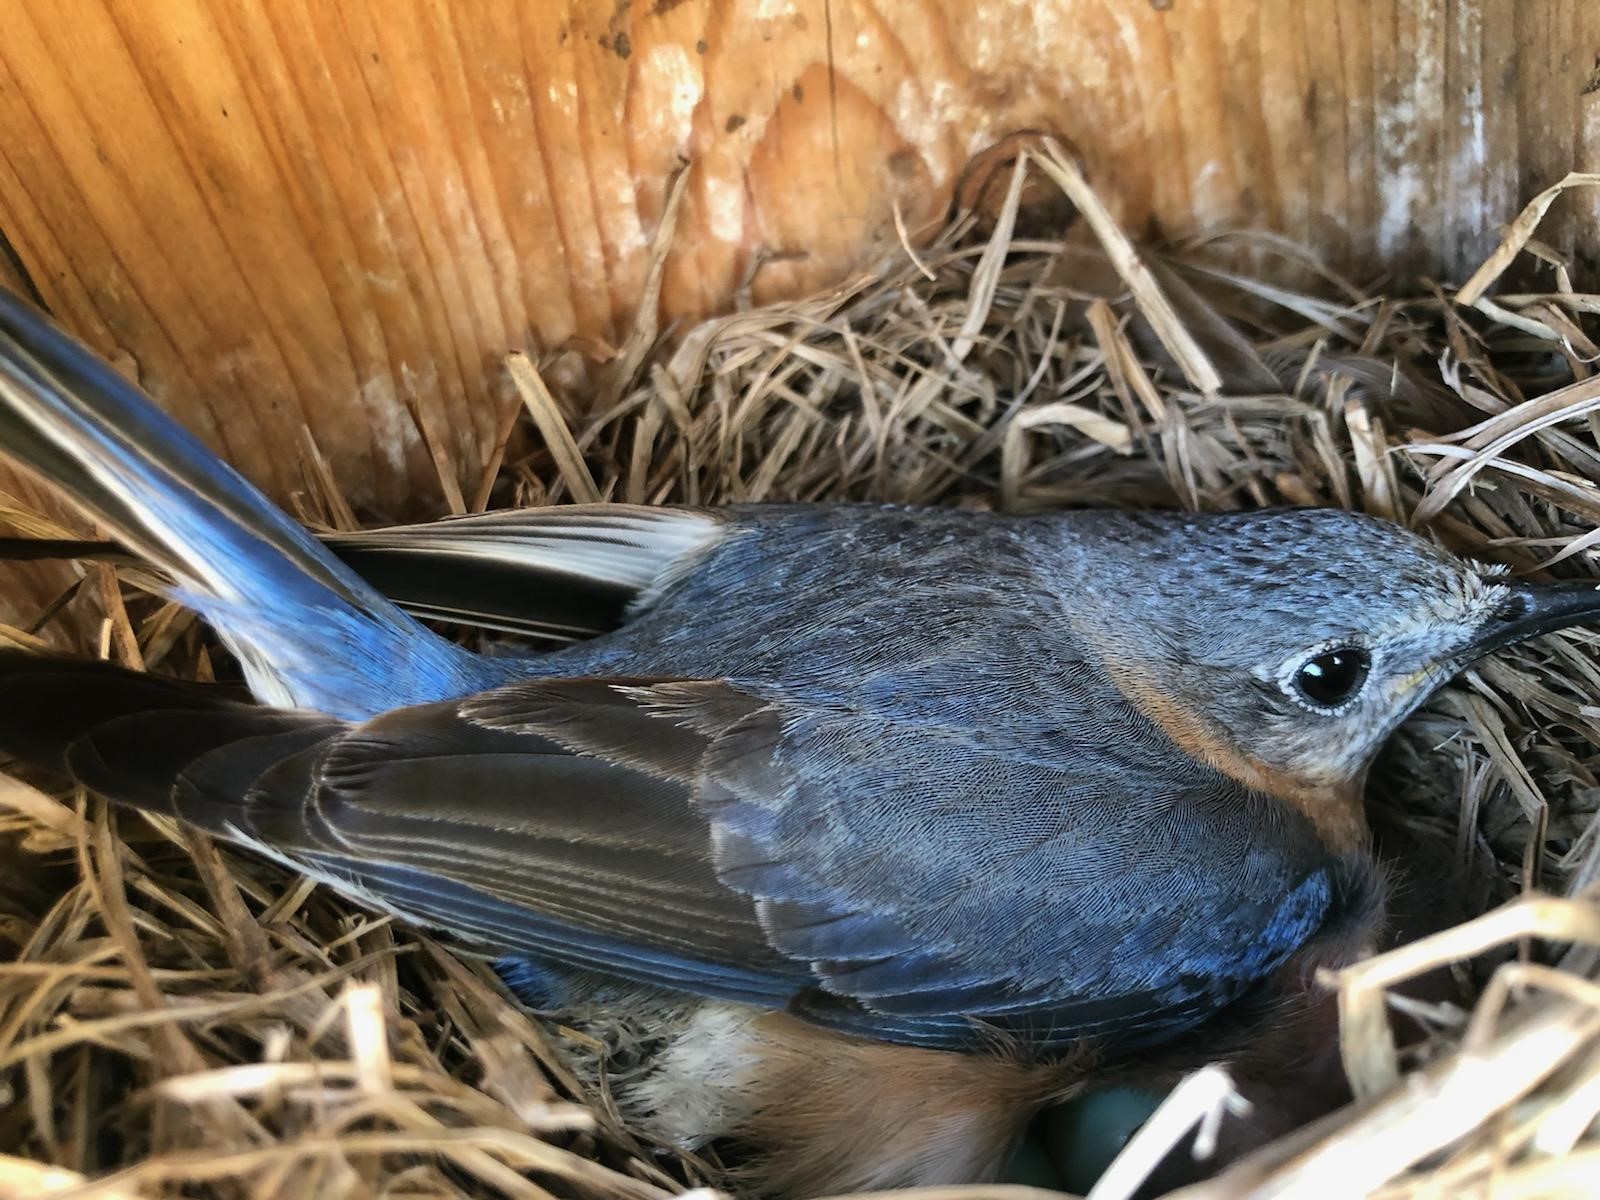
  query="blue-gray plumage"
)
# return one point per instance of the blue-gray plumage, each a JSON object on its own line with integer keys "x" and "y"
{"x": 1023, "y": 788}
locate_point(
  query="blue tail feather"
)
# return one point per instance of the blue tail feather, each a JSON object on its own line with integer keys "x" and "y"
{"x": 309, "y": 632}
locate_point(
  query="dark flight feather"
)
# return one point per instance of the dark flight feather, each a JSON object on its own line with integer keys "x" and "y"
{"x": 565, "y": 573}
{"x": 561, "y": 573}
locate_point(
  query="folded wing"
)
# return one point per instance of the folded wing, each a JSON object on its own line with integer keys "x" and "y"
{"x": 671, "y": 832}
{"x": 567, "y": 572}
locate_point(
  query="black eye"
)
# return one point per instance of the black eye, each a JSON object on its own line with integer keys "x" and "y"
{"x": 1330, "y": 679}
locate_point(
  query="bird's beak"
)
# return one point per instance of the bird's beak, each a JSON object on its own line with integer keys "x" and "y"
{"x": 1533, "y": 609}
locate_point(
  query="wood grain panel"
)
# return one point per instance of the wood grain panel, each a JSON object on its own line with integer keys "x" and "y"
{"x": 289, "y": 212}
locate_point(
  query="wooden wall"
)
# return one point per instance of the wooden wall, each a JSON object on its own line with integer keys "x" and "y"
{"x": 305, "y": 211}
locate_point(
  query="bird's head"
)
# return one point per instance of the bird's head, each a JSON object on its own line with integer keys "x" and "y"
{"x": 1285, "y": 646}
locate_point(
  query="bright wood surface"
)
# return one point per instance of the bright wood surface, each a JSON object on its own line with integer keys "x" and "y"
{"x": 287, "y": 212}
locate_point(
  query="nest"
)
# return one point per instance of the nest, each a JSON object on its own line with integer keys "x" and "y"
{"x": 180, "y": 1020}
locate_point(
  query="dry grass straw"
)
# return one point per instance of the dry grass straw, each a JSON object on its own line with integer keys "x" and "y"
{"x": 178, "y": 1020}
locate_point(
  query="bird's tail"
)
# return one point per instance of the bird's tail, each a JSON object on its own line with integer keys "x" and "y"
{"x": 308, "y": 631}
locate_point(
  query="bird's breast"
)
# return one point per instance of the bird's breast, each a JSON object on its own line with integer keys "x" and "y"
{"x": 833, "y": 1113}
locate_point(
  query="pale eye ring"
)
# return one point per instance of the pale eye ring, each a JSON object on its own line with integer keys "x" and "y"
{"x": 1332, "y": 678}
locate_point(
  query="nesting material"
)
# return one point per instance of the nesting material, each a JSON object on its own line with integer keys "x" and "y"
{"x": 177, "y": 1019}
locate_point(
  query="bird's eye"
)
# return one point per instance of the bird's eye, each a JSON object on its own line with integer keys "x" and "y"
{"x": 1333, "y": 677}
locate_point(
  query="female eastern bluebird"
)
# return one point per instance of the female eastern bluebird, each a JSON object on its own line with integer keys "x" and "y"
{"x": 882, "y": 825}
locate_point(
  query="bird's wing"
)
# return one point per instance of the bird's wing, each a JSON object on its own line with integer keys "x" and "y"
{"x": 690, "y": 834}
{"x": 935, "y": 885}
{"x": 506, "y": 840}
{"x": 565, "y": 572}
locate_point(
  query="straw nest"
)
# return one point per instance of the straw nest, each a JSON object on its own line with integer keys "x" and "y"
{"x": 180, "y": 1020}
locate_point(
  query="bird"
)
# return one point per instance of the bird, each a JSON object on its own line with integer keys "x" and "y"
{"x": 879, "y": 827}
